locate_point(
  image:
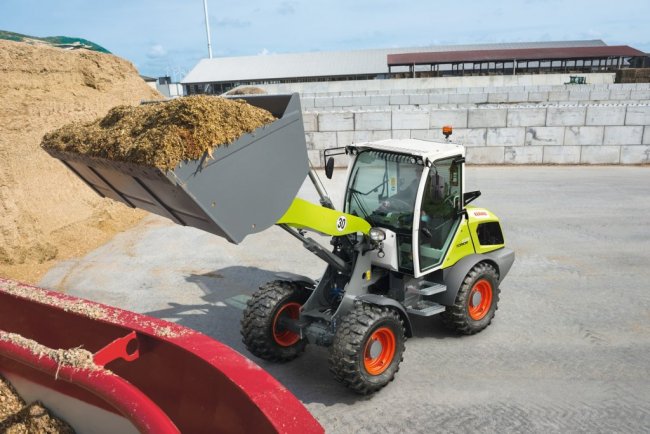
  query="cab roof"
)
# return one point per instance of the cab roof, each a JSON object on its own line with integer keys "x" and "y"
{"x": 427, "y": 150}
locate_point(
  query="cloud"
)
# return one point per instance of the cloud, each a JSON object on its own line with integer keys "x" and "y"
{"x": 286, "y": 8}
{"x": 231, "y": 22}
{"x": 156, "y": 51}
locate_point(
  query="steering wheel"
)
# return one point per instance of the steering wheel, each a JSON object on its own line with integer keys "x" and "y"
{"x": 397, "y": 204}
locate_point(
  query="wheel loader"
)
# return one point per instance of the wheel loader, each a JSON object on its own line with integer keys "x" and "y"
{"x": 406, "y": 241}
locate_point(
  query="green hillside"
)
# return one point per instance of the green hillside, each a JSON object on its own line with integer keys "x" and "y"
{"x": 56, "y": 41}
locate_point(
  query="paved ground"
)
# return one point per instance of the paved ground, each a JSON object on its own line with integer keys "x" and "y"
{"x": 569, "y": 350}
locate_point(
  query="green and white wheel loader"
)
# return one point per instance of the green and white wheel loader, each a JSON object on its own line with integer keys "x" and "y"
{"x": 406, "y": 242}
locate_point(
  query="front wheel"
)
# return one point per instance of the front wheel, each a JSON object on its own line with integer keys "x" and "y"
{"x": 476, "y": 301}
{"x": 367, "y": 348}
{"x": 262, "y": 329}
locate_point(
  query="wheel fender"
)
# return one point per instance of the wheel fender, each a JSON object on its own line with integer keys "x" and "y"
{"x": 380, "y": 300}
{"x": 453, "y": 276}
{"x": 297, "y": 278}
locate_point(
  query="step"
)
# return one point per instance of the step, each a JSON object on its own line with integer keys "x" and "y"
{"x": 425, "y": 308}
{"x": 430, "y": 288}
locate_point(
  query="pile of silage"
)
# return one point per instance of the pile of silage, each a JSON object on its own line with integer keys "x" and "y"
{"x": 161, "y": 134}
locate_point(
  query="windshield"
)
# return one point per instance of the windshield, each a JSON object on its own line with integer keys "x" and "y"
{"x": 382, "y": 190}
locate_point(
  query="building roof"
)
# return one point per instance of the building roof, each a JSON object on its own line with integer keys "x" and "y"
{"x": 420, "y": 58}
{"x": 327, "y": 64}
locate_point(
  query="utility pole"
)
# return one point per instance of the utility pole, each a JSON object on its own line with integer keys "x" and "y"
{"x": 207, "y": 27}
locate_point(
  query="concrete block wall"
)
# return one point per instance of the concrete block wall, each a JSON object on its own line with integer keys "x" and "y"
{"x": 499, "y": 133}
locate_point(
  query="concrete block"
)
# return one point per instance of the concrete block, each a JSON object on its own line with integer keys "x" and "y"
{"x": 523, "y": 154}
{"x": 526, "y": 117}
{"x": 558, "y": 95}
{"x": 646, "y": 135}
{"x": 336, "y": 121}
{"x": 361, "y": 136}
{"x": 579, "y": 95}
{"x": 600, "y": 154}
{"x": 342, "y": 101}
{"x": 583, "y": 136}
{"x": 410, "y": 120}
{"x": 380, "y": 100}
{"x": 491, "y": 118}
{"x": 638, "y": 115}
{"x": 401, "y": 134}
{"x": 372, "y": 121}
{"x": 477, "y": 98}
{"x": 315, "y": 157}
{"x": 471, "y": 136}
{"x": 458, "y": 98}
{"x": 323, "y": 102}
{"x": 361, "y": 101}
{"x": 517, "y": 97}
{"x": 619, "y": 94}
{"x": 497, "y": 97}
{"x": 399, "y": 99}
{"x": 561, "y": 155}
{"x": 321, "y": 140}
{"x": 537, "y": 96}
{"x": 640, "y": 95}
{"x": 310, "y": 121}
{"x": 605, "y": 115}
{"x": 344, "y": 138}
{"x": 438, "y": 98}
{"x": 505, "y": 136}
{"x": 536, "y": 136}
{"x": 599, "y": 95}
{"x": 485, "y": 155}
{"x": 615, "y": 135}
{"x": 455, "y": 118}
{"x": 358, "y": 92}
{"x": 635, "y": 154}
{"x": 306, "y": 103}
{"x": 565, "y": 116}
{"x": 419, "y": 99}
{"x": 426, "y": 134}
{"x": 376, "y": 136}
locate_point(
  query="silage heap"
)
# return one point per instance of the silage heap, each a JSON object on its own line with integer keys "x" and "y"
{"x": 163, "y": 134}
{"x": 46, "y": 212}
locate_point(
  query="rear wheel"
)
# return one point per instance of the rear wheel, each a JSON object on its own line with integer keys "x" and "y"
{"x": 476, "y": 301}
{"x": 262, "y": 325}
{"x": 367, "y": 348}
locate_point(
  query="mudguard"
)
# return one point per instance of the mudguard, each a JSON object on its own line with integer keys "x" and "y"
{"x": 380, "y": 300}
{"x": 453, "y": 276}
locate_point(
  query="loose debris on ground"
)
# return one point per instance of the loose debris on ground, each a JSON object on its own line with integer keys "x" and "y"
{"x": 161, "y": 134}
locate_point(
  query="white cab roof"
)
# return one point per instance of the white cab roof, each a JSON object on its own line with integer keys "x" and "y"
{"x": 427, "y": 150}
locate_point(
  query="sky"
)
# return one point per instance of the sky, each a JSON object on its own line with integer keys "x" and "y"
{"x": 167, "y": 37}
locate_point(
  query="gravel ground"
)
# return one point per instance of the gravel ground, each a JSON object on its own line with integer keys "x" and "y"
{"x": 569, "y": 349}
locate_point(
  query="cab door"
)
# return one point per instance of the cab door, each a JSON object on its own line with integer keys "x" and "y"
{"x": 438, "y": 214}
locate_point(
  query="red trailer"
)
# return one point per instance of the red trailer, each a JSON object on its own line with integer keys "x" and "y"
{"x": 142, "y": 375}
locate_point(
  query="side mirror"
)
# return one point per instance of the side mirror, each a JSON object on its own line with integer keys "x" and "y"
{"x": 470, "y": 196}
{"x": 329, "y": 167}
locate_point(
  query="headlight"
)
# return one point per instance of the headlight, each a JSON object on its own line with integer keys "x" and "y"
{"x": 377, "y": 234}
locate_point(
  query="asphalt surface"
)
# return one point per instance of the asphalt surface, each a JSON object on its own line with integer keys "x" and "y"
{"x": 569, "y": 350}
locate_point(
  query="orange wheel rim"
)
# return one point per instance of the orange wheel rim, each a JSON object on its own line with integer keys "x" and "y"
{"x": 281, "y": 335}
{"x": 379, "y": 351}
{"x": 480, "y": 300}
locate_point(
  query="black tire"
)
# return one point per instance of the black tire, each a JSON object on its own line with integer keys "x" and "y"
{"x": 352, "y": 344}
{"x": 257, "y": 326}
{"x": 467, "y": 315}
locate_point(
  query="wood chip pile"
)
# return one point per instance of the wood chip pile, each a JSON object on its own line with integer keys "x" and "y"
{"x": 163, "y": 134}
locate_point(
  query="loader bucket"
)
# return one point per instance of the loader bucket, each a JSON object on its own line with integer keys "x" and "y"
{"x": 148, "y": 375}
{"x": 245, "y": 188}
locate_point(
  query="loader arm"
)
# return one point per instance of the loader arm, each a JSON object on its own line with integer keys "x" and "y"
{"x": 306, "y": 215}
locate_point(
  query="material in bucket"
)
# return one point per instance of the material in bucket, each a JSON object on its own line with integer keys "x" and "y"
{"x": 245, "y": 188}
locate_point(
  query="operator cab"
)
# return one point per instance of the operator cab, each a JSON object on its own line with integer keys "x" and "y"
{"x": 413, "y": 190}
